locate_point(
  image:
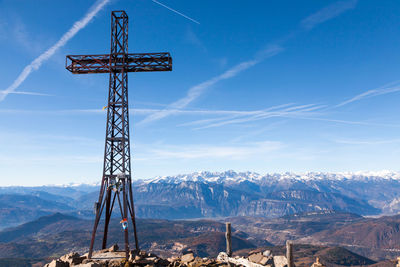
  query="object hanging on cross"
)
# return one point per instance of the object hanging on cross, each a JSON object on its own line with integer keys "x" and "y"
{"x": 117, "y": 160}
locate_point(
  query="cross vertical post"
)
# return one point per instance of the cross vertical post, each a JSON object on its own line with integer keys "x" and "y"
{"x": 117, "y": 177}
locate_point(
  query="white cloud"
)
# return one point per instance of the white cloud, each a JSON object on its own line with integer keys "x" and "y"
{"x": 286, "y": 112}
{"x": 386, "y": 89}
{"x": 35, "y": 64}
{"x": 197, "y": 90}
{"x": 327, "y": 13}
{"x": 204, "y": 151}
{"x": 366, "y": 142}
{"x": 194, "y": 92}
{"x": 29, "y": 93}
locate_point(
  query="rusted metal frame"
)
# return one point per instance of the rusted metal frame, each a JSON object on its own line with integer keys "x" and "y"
{"x": 121, "y": 125}
{"x": 125, "y": 217}
{"x": 129, "y": 209}
{"x": 118, "y": 31}
{"x": 117, "y": 126}
{"x": 117, "y": 89}
{"x": 131, "y": 56}
{"x": 90, "y": 62}
{"x": 118, "y": 130}
{"x": 118, "y": 63}
{"x": 117, "y": 36}
{"x": 120, "y": 205}
{"x": 112, "y": 204}
{"x": 107, "y": 217}
{"x": 129, "y": 181}
{"x": 101, "y": 63}
{"x": 112, "y": 119}
{"x": 123, "y": 122}
{"x": 103, "y": 202}
{"x": 97, "y": 218}
{"x": 126, "y": 145}
{"x": 125, "y": 36}
{"x": 86, "y": 63}
{"x": 117, "y": 164}
{"x": 133, "y": 218}
{"x": 113, "y": 29}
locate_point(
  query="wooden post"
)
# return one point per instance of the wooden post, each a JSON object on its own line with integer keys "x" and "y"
{"x": 289, "y": 253}
{"x": 228, "y": 239}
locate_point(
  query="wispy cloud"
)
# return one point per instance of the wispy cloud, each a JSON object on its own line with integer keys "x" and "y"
{"x": 194, "y": 92}
{"x": 35, "y": 64}
{"x": 287, "y": 112}
{"x": 197, "y": 90}
{"x": 14, "y": 29}
{"x": 35, "y": 159}
{"x": 193, "y": 39}
{"x": 136, "y": 111}
{"x": 214, "y": 151}
{"x": 348, "y": 122}
{"x": 366, "y": 142}
{"x": 175, "y": 11}
{"x": 29, "y": 93}
{"x": 386, "y": 89}
{"x": 327, "y": 13}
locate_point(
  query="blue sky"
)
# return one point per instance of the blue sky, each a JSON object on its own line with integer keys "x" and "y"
{"x": 265, "y": 86}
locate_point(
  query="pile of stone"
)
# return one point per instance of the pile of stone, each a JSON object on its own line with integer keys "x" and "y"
{"x": 255, "y": 259}
{"x": 189, "y": 260}
{"x": 112, "y": 257}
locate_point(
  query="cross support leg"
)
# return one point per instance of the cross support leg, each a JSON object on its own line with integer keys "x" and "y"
{"x": 107, "y": 217}
{"x": 125, "y": 201}
{"x": 133, "y": 218}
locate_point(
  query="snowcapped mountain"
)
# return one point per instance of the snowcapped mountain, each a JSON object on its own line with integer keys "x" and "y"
{"x": 229, "y": 193}
{"x": 238, "y": 177}
{"x": 208, "y": 177}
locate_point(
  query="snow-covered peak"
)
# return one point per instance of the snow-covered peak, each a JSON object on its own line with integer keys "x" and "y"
{"x": 232, "y": 177}
{"x": 206, "y": 176}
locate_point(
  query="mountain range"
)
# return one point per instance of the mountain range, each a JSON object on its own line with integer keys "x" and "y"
{"x": 324, "y": 210}
{"x": 217, "y": 194}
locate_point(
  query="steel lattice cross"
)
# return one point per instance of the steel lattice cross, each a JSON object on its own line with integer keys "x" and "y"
{"x": 116, "y": 178}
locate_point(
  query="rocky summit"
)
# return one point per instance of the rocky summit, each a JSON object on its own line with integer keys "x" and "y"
{"x": 114, "y": 257}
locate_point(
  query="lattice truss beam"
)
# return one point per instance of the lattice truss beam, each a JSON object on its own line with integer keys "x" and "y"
{"x": 144, "y": 62}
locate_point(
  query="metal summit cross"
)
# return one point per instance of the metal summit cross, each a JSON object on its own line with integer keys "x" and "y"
{"x": 116, "y": 178}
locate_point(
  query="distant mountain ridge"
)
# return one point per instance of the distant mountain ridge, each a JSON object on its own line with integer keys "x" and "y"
{"x": 231, "y": 176}
{"x": 225, "y": 194}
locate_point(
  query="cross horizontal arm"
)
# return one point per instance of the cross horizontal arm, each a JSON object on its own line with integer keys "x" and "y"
{"x": 138, "y": 62}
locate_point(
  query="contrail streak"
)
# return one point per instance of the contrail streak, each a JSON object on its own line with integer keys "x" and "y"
{"x": 386, "y": 89}
{"x": 177, "y": 12}
{"x": 29, "y": 93}
{"x": 327, "y": 13}
{"x": 197, "y": 90}
{"x": 35, "y": 64}
{"x": 306, "y": 24}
